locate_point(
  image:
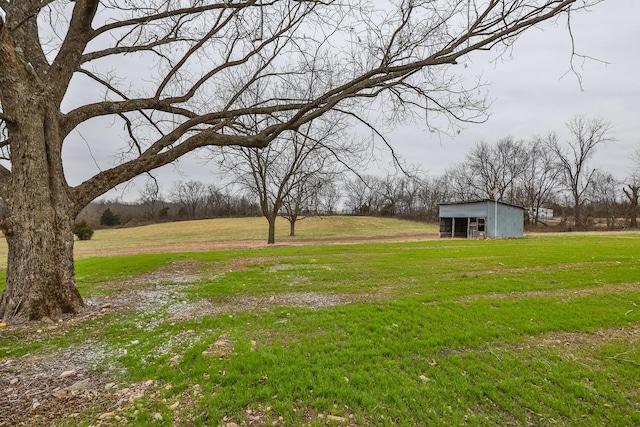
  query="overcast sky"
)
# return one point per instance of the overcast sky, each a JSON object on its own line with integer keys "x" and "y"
{"x": 532, "y": 93}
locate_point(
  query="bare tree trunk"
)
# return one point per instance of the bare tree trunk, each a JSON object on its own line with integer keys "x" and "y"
{"x": 633, "y": 194}
{"x": 577, "y": 214}
{"x": 40, "y": 272}
{"x": 272, "y": 229}
{"x": 292, "y": 227}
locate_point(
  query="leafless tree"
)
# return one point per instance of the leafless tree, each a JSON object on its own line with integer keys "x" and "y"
{"x": 432, "y": 192}
{"x": 572, "y": 158}
{"x": 603, "y": 197}
{"x": 171, "y": 75}
{"x": 190, "y": 196}
{"x": 539, "y": 178}
{"x": 328, "y": 197}
{"x": 212, "y": 201}
{"x": 632, "y": 189}
{"x": 286, "y": 170}
{"x": 151, "y": 198}
{"x": 363, "y": 195}
{"x": 459, "y": 181}
{"x": 497, "y": 166}
{"x": 303, "y": 198}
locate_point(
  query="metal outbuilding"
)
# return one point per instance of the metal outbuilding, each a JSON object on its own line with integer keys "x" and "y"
{"x": 481, "y": 219}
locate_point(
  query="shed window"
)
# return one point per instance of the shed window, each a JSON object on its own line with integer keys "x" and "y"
{"x": 446, "y": 225}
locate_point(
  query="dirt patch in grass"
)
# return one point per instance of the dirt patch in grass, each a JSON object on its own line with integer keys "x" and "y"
{"x": 584, "y": 346}
{"x": 46, "y": 388}
{"x": 566, "y": 294}
{"x": 53, "y": 388}
{"x": 250, "y": 303}
{"x": 41, "y": 388}
{"x": 183, "y": 271}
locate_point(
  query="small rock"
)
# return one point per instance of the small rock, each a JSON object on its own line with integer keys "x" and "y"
{"x": 80, "y": 385}
{"x": 174, "y": 406}
{"x": 67, "y": 374}
{"x": 106, "y": 416}
{"x": 14, "y": 381}
{"x": 60, "y": 394}
{"x": 336, "y": 418}
{"x": 109, "y": 386}
{"x": 135, "y": 396}
{"x": 157, "y": 416}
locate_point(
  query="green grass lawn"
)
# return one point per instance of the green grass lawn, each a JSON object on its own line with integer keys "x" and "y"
{"x": 535, "y": 331}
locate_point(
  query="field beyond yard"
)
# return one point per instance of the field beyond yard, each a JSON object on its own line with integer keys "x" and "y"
{"x": 353, "y": 322}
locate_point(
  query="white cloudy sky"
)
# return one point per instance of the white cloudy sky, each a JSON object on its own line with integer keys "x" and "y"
{"x": 531, "y": 93}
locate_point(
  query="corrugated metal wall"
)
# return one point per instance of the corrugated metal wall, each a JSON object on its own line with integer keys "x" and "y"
{"x": 510, "y": 219}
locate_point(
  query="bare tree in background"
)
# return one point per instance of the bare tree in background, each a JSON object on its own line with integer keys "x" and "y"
{"x": 169, "y": 77}
{"x": 497, "y": 166}
{"x": 304, "y": 197}
{"x": 328, "y": 198}
{"x": 190, "y": 196}
{"x": 539, "y": 178}
{"x": 572, "y": 158}
{"x": 603, "y": 197}
{"x": 632, "y": 189}
{"x": 459, "y": 181}
{"x": 363, "y": 195}
{"x": 151, "y": 198}
{"x": 284, "y": 171}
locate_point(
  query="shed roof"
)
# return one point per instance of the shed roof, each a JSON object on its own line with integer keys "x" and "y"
{"x": 479, "y": 201}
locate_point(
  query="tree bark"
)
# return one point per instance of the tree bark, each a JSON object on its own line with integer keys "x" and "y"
{"x": 292, "y": 227}
{"x": 38, "y": 228}
{"x": 633, "y": 195}
{"x": 40, "y": 271}
{"x": 272, "y": 229}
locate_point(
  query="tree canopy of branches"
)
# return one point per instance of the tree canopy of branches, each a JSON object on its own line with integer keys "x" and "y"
{"x": 173, "y": 75}
{"x": 497, "y": 166}
{"x": 585, "y": 137}
{"x": 291, "y": 169}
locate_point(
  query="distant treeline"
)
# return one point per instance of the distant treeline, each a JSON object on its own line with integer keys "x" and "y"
{"x": 399, "y": 197}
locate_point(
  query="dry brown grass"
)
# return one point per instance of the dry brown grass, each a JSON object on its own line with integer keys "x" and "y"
{"x": 240, "y": 233}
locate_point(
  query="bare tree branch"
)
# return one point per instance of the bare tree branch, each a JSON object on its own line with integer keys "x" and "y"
{"x": 78, "y": 36}
{"x": 153, "y": 158}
